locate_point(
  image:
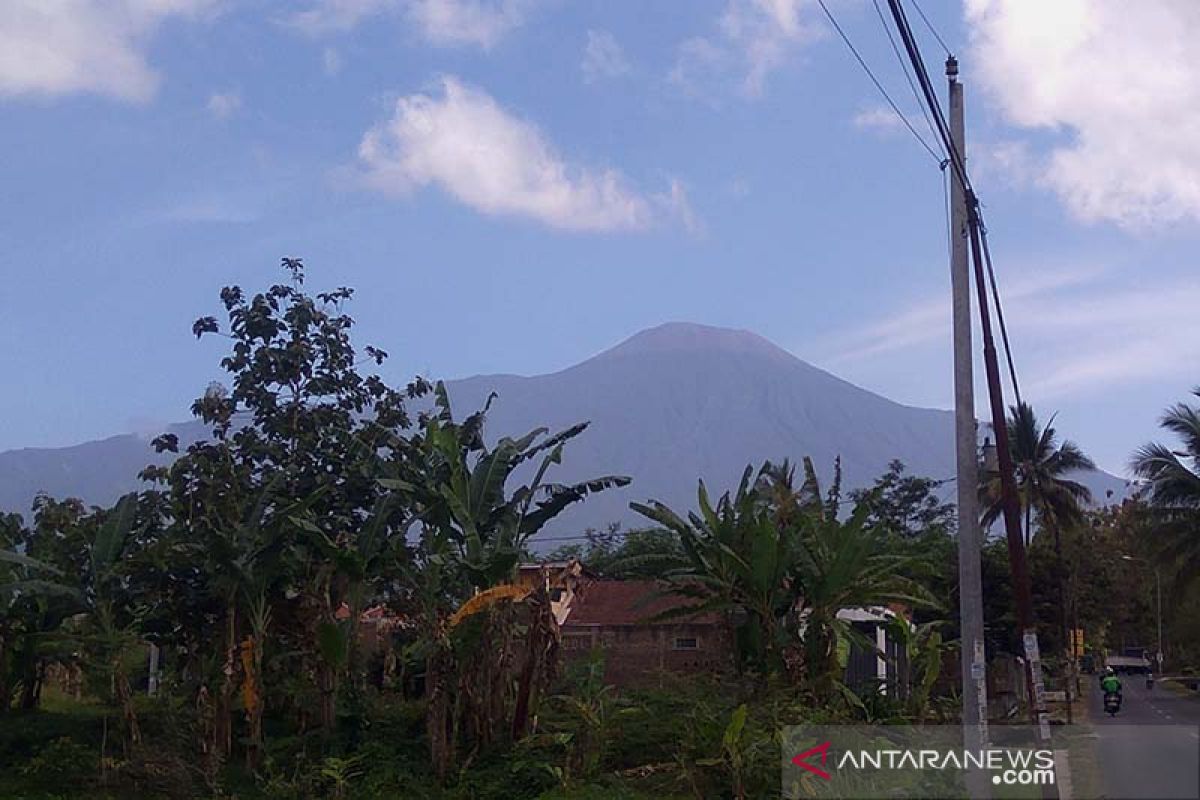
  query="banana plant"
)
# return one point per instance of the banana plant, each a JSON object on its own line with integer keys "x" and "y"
{"x": 33, "y": 603}
{"x": 842, "y": 565}
{"x": 738, "y": 562}
{"x": 484, "y": 675}
{"x": 459, "y": 488}
{"x": 110, "y": 630}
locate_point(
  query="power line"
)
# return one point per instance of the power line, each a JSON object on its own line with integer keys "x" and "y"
{"x": 956, "y": 159}
{"x": 932, "y": 29}
{"x": 875, "y": 81}
{"x": 904, "y": 68}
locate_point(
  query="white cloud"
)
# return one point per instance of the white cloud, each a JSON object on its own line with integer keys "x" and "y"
{"x": 880, "y": 119}
{"x": 1119, "y": 82}
{"x": 463, "y": 22}
{"x": 603, "y": 57}
{"x": 753, "y": 38}
{"x": 1072, "y": 331}
{"x": 498, "y": 164}
{"x": 223, "y": 104}
{"x": 54, "y": 48}
{"x": 331, "y": 61}
{"x": 337, "y": 16}
{"x": 442, "y": 22}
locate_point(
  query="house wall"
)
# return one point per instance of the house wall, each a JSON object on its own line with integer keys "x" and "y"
{"x": 646, "y": 655}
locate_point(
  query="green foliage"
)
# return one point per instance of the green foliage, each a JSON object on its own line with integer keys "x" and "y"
{"x": 63, "y": 763}
{"x": 782, "y": 564}
{"x": 624, "y": 555}
{"x": 313, "y": 497}
{"x": 905, "y": 506}
{"x": 1173, "y": 494}
{"x": 1042, "y": 467}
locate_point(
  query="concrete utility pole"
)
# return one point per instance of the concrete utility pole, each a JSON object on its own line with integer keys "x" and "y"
{"x": 970, "y": 535}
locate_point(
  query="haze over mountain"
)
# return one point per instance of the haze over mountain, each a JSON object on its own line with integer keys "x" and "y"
{"x": 667, "y": 406}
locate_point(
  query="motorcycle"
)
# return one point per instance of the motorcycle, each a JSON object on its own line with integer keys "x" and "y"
{"x": 1112, "y": 703}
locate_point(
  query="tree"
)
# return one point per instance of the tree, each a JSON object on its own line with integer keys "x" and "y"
{"x": 782, "y": 564}
{"x": 33, "y": 603}
{"x": 110, "y": 631}
{"x": 1173, "y": 478}
{"x": 906, "y": 506}
{"x": 298, "y": 423}
{"x": 42, "y": 598}
{"x": 1042, "y": 468}
{"x": 737, "y": 562}
{"x": 614, "y": 554}
{"x": 916, "y": 522}
{"x": 488, "y": 661}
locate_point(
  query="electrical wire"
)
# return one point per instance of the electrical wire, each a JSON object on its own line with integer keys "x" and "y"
{"x": 956, "y": 159}
{"x": 862, "y": 63}
{"x": 904, "y": 68}
{"x": 932, "y": 29}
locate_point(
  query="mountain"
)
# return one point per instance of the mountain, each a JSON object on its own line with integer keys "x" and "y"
{"x": 667, "y": 406}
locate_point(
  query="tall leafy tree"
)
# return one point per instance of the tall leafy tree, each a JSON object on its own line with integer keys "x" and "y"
{"x": 299, "y": 417}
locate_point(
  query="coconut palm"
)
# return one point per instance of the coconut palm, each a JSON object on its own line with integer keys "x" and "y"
{"x": 1174, "y": 486}
{"x": 1042, "y": 469}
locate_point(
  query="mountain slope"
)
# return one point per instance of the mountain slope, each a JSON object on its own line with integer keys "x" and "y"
{"x": 667, "y": 406}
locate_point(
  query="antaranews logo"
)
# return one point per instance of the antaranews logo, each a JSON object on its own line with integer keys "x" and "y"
{"x": 896, "y": 761}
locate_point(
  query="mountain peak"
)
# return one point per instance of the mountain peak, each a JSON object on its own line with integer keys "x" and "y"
{"x": 675, "y": 337}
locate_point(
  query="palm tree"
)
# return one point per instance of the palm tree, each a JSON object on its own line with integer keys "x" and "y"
{"x": 1042, "y": 468}
{"x": 1174, "y": 486}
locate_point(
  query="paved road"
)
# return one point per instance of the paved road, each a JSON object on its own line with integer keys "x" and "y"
{"x": 1151, "y": 748}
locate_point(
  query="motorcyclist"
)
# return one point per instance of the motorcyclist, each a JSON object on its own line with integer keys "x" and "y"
{"x": 1110, "y": 683}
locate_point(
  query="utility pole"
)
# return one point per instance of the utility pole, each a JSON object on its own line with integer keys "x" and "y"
{"x": 970, "y": 534}
{"x": 1010, "y": 503}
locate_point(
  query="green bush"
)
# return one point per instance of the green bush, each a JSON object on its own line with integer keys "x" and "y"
{"x": 62, "y": 763}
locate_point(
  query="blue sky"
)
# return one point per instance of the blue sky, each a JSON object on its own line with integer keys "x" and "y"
{"x": 514, "y": 185}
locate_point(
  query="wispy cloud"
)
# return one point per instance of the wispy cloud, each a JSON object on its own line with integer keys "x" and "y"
{"x": 482, "y": 23}
{"x": 1073, "y": 331}
{"x": 752, "y": 39}
{"x": 222, "y": 105}
{"x": 484, "y": 156}
{"x": 880, "y": 119}
{"x": 603, "y": 57}
{"x": 929, "y": 320}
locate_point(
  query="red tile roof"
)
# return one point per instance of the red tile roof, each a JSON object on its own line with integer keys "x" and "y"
{"x": 630, "y": 603}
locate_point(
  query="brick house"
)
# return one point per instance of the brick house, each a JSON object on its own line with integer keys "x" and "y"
{"x": 616, "y": 617}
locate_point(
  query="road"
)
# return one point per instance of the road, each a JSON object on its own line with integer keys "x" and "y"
{"x": 1151, "y": 748}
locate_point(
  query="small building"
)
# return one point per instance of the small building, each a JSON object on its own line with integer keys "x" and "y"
{"x": 882, "y": 666}
{"x": 618, "y": 619}
{"x": 621, "y": 619}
